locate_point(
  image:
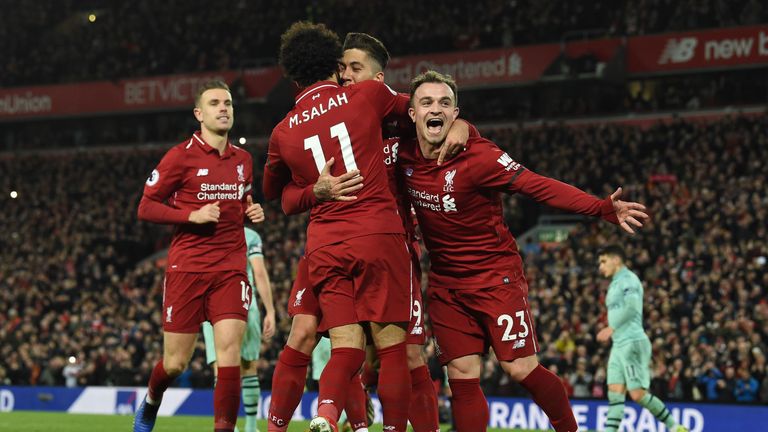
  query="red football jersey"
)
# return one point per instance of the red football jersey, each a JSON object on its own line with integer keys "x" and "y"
{"x": 345, "y": 123}
{"x": 460, "y": 212}
{"x": 190, "y": 175}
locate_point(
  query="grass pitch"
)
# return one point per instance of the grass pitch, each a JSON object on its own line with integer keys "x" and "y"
{"x": 31, "y": 421}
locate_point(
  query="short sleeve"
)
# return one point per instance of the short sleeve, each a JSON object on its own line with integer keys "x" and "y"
{"x": 253, "y": 244}
{"x": 166, "y": 178}
{"x": 493, "y": 168}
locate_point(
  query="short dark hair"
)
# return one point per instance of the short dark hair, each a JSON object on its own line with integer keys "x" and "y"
{"x": 613, "y": 250}
{"x": 370, "y": 45}
{"x": 432, "y": 76}
{"x": 208, "y": 85}
{"x": 309, "y": 52}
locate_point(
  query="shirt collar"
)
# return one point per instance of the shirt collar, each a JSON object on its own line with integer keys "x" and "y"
{"x": 316, "y": 87}
{"x": 198, "y": 138}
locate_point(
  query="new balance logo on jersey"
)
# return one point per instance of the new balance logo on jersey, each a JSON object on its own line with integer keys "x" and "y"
{"x": 678, "y": 50}
{"x": 449, "y": 203}
{"x": 326, "y": 401}
{"x": 299, "y": 295}
{"x": 520, "y": 343}
{"x": 448, "y": 186}
{"x": 202, "y": 172}
{"x": 168, "y": 313}
{"x": 508, "y": 163}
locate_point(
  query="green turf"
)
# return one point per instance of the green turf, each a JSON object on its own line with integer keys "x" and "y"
{"x": 29, "y": 421}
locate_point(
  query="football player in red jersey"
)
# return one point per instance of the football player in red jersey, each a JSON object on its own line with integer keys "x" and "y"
{"x": 477, "y": 291}
{"x": 365, "y": 58}
{"x": 355, "y": 283}
{"x": 203, "y": 186}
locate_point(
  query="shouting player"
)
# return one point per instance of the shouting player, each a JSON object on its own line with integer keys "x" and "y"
{"x": 356, "y": 284}
{"x": 365, "y": 58}
{"x": 477, "y": 293}
{"x": 206, "y": 182}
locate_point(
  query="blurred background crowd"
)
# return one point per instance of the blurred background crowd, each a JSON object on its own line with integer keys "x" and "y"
{"x": 73, "y": 284}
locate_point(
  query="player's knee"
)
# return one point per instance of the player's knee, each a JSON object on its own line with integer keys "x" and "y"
{"x": 465, "y": 367}
{"x": 636, "y": 395}
{"x": 303, "y": 338}
{"x": 174, "y": 367}
{"x": 519, "y": 369}
{"x": 415, "y": 357}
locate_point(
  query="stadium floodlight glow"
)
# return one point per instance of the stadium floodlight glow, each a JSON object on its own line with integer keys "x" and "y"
{"x": 92, "y": 18}
{"x": 242, "y": 140}
{"x": 72, "y": 359}
{"x": 14, "y": 194}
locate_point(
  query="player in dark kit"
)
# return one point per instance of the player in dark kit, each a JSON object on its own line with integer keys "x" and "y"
{"x": 477, "y": 296}
{"x": 355, "y": 282}
{"x": 206, "y": 182}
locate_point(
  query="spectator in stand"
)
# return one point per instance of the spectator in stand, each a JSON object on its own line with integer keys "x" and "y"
{"x": 746, "y": 387}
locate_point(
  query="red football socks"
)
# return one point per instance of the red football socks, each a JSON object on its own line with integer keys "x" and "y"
{"x": 287, "y": 387}
{"x": 468, "y": 405}
{"x": 357, "y": 412}
{"x": 423, "y": 410}
{"x": 548, "y": 391}
{"x": 334, "y": 381}
{"x": 394, "y": 387}
{"x": 158, "y": 382}
{"x": 226, "y": 399}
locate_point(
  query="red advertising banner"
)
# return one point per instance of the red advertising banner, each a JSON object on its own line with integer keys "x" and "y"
{"x": 140, "y": 94}
{"x": 476, "y": 68}
{"x": 738, "y": 46}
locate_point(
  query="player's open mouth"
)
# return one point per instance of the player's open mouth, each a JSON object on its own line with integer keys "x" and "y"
{"x": 434, "y": 126}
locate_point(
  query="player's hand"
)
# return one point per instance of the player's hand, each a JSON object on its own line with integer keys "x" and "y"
{"x": 455, "y": 142}
{"x": 206, "y": 214}
{"x": 268, "y": 329}
{"x": 341, "y": 188}
{"x": 604, "y": 335}
{"x": 628, "y": 212}
{"x": 254, "y": 211}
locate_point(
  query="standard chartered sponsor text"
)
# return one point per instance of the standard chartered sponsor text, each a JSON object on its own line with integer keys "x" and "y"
{"x": 218, "y": 191}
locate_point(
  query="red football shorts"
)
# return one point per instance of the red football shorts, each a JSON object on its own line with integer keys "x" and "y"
{"x": 191, "y": 298}
{"x": 417, "y": 334}
{"x": 361, "y": 279}
{"x": 467, "y": 322}
{"x": 303, "y": 300}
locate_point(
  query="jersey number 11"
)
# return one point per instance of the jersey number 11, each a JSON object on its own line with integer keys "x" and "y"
{"x": 337, "y": 131}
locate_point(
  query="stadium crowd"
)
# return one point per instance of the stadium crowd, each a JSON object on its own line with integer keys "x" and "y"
{"x": 54, "y": 41}
{"x": 75, "y": 280}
